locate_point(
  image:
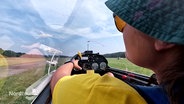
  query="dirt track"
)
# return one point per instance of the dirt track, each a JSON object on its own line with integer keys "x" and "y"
{"x": 19, "y": 65}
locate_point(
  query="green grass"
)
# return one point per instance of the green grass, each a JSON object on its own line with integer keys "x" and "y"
{"x": 18, "y": 84}
{"x": 124, "y": 64}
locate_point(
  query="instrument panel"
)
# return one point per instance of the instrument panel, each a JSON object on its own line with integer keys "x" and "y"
{"x": 91, "y": 61}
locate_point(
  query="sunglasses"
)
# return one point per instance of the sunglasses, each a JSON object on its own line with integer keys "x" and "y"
{"x": 120, "y": 24}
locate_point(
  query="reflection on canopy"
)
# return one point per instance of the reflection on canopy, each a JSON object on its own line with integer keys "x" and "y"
{"x": 37, "y": 37}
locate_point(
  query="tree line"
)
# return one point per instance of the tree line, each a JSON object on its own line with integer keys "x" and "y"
{"x": 10, "y": 53}
{"x": 115, "y": 55}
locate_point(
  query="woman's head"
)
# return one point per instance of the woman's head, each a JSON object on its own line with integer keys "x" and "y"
{"x": 149, "y": 52}
{"x": 143, "y": 49}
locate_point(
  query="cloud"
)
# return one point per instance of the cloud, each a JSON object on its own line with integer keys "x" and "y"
{"x": 59, "y": 21}
{"x": 99, "y": 21}
{"x": 54, "y": 11}
{"x": 44, "y": 35}
{"x": 90, "y": 33}
{"x": 6, "y": 42}
{"x": 89, "y": 19}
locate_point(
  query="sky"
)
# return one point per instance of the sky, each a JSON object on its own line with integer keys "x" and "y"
{"x": 65, "y": 25}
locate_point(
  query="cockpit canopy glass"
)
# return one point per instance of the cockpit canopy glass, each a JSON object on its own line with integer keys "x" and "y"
{"x": 36, "y": 36}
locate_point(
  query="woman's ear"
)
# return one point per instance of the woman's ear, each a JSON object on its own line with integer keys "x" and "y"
{"x": 160, "y": 45}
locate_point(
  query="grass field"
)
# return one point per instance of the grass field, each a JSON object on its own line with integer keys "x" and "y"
{"x": 13, "y": 87}
{"x": 25, "y": 71}
{"x": 124, "y": 64}
{"x": 12, "y": 92}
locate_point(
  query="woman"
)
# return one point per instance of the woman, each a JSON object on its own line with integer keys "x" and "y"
{"x": 154, "y": 39}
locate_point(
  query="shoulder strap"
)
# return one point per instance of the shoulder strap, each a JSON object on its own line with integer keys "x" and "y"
{"x": 152, "y": 94}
